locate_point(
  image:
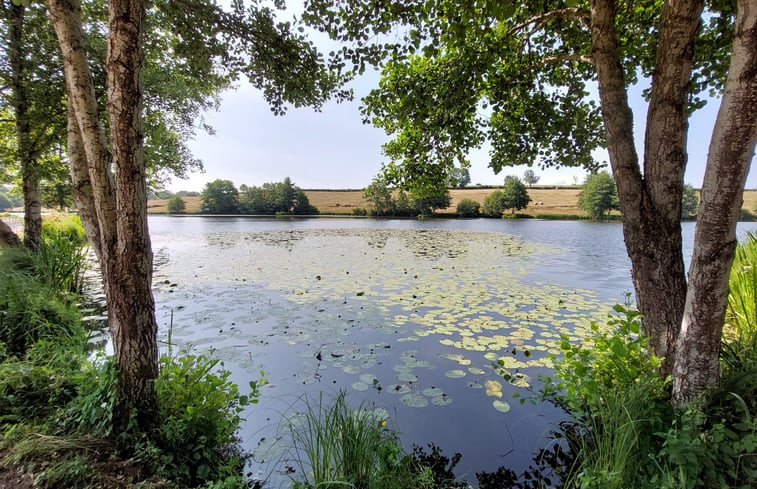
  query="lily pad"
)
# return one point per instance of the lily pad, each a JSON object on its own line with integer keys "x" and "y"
{"x": 432, "y": 391}
{"x": 493, "y": 388}
{"x": 414, "y": 400}
{"x": 501, "y": 406}
{"x": 454, "y": 374}
{"x": 442, "y": 400}
{"x": 269, "y": 449}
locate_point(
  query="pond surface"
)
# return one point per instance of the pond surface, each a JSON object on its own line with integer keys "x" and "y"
{"x": 409, "y": 315}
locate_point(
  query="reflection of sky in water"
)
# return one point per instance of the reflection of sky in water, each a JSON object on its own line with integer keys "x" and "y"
{"x": 399, "y": 312}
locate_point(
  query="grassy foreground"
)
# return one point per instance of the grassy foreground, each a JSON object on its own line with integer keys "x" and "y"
{"x": 545, "y": 201}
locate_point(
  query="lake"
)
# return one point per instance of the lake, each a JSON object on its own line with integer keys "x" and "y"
{"x": 409, "y": 315}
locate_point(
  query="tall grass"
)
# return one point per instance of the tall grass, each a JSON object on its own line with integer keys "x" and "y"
{"x": 622, "y": 427}
{"x": 740, "y": 345}
{"x": 338, "y": 447}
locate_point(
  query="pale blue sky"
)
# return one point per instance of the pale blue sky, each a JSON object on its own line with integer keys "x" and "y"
{"x": 333, "y": 149}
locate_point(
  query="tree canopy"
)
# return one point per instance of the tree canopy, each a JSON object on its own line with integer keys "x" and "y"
{"x": 219, "y": 197}
{"x": 546, "y": 83}
{"x": 598, "y": 195}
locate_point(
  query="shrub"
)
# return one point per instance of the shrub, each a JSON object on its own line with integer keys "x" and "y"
{"x": 199, "y": 417}
{"x": 176, "y": 205}
{"x": 610, "y": 387}
{"x": 494, "y": 204}
{"x": 468, "y": 208}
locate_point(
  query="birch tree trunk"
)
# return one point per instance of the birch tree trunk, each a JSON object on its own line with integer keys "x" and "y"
{"x": 24, "y": 150}
{"x": 115, "y": 212}
{"x": 133, "y": 323}
{"x": 730, "y": 155}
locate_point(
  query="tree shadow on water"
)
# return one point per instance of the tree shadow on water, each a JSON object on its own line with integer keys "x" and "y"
{"x": 548, "y": 470}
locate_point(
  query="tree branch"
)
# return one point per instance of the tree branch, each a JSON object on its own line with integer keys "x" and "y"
{"x": 581, "y": 58}
{"x": 580, "y": 14}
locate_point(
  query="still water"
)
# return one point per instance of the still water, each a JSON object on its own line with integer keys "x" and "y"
{"x": 412, "y": 316}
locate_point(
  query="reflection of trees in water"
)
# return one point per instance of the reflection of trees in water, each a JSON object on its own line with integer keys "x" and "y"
{"x": 548, "y": 470}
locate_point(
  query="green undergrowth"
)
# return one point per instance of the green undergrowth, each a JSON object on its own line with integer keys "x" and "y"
{"x": 336, "y": 446}
{"x": 56, "y": 396}
{"x": 624, "y": 431}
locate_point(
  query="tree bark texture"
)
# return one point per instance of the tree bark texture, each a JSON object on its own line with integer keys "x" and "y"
{"x": 81, "y": 187}
{"x": 7, "y": 236}
{"x": 730, "y": 155}
{"x": 24, "y": 151}
{"x": 65, "y": 16}
{"x": 650, "y": 202}
{"x": 134, "y": 327}
{"x": 118, "y": 215}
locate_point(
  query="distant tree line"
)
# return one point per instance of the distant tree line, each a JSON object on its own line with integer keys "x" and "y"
{"x": 222, "y": 197}
{"x": 383, "y": 200}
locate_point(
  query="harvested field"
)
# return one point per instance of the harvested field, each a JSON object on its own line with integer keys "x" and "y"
{"x": 544, "y": 201}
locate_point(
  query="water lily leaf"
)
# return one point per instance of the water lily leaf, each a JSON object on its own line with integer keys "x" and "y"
{"x": 442, "y": 400}
{"x": 454, "y": 374}
{"x": 493, "y": 388}
{"x": 501, "y": 406}
{"x": 407, "y": 377}
{"x": 269, "y": 449}
{"x": 414, "y": 400}
{"x": 369, "y": 379}
{"x": 360, "y": 386}
{"x": 432, "y": 391}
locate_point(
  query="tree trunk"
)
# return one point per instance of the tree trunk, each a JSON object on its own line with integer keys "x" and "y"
{"x": 65, "y": 16}
{"x": 24, "y": 150}
{"x": 7, "y": 236}
{"x": 32, "y": 205}
{"x": 730, "y": 155}
{"x": 650, "y": 204}
{"x": 134, "y": 327}
{"x": 119, "y": 216}
{"x": 81, "y": 188}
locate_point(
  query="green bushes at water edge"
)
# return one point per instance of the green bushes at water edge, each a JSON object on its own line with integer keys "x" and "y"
{"x": 624, "y": 431}
{"x": 56, "y": 401}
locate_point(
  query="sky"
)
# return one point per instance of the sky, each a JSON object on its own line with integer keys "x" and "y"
{"x": 333, "y": 149}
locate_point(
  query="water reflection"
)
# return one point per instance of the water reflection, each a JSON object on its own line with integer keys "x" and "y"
{"x": 423, "y": 308}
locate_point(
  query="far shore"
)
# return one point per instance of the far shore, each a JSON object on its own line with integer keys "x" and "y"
{"x": 547, "y": 202}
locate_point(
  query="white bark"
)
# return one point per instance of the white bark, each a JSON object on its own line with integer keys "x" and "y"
{"x": 730, "y": 156}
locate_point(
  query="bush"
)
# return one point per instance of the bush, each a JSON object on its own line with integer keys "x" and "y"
{"x": 619, "y": 406}
{"x": 199, "y": 417}
{"x": 468, "y": 208}
{"x": 176, "y": 205}
{"x": 494, "y": 204}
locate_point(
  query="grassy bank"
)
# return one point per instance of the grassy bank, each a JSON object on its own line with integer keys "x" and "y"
{"x": 546, "y": 202}
{"x": 56, "y": 395}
